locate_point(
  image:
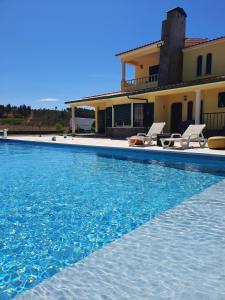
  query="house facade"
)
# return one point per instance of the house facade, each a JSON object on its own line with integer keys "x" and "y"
{"x": 178, "y": 80}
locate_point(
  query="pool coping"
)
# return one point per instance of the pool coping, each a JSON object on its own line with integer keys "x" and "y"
{"x": 176, "y": 152}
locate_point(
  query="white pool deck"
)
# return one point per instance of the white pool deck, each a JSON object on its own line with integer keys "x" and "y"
{"x": 178, "y": 255}
{"x": 107, "y": 142}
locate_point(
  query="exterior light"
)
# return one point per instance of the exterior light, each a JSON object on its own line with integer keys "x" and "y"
{"x": 160, "y": 44}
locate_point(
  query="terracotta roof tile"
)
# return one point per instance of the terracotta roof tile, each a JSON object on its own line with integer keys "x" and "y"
{"x": 188, "y": 41}
{"x": 207, "y": 41}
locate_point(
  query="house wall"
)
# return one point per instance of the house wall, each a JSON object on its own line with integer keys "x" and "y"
{"x": 122, "y": 132}
{"x": 210, "y": 99}
{"x": 190, "y": 61}
{"x": 163, "y": 105}
{"x": 146, "y": 62}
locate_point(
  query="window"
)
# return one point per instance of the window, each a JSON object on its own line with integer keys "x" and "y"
{"x": 221, "y": 99}
{"x": 122, "y": 115}
{"x": 143, "y": 114}
{"x": 189, "y": 110}
{"x": 208, "y": 69}
{"x": 199, "y": 66}
{"x": 108, "y": 113}
{"x": 138, "y": 114}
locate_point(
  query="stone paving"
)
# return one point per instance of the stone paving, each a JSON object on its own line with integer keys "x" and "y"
{"x": 107, "y": 142}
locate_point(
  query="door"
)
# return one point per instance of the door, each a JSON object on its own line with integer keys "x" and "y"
{"x": 101, "y": 121}
{"x": 190, "y": 111}
{"x": 148, "y": 114}
{"x": 176, "y": 117}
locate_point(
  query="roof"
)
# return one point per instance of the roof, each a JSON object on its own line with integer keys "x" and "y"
{"x": 206, "y": 41}
{"x": 188, "y": 41}
{"x": 194, "y": 41}
{"x": 139, "y": 47}
{"x": 153, "y": 89}
{"x": 99, "y": 96}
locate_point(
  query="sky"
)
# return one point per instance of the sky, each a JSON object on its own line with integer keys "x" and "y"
{"x": 52, "y": 51}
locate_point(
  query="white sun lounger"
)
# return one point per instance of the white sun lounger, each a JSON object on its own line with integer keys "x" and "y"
{"x": 192, "y": 134}
{"x": 4, "y": 133}
{"x": 156, "y": 128}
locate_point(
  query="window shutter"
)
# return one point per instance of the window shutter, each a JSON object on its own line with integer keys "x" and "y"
{"x": 199, "y": 66}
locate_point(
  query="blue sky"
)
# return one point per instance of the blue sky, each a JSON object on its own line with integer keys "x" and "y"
{"x": 55, "y": 50}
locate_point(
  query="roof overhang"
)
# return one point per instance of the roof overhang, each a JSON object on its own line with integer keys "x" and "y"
{"x": 204, "y": 84}
{"x": 205, "y": 44}
{"x": 143, "y": 50}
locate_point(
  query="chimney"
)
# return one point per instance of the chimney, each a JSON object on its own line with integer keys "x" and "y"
{"x": 171, "y": 56}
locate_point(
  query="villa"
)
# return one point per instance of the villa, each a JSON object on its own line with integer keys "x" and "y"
{"x": 89, "y": 217}
{"x": 178, "y": 80}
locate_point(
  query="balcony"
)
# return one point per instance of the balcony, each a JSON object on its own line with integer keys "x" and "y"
{"x": 139, "y": 83}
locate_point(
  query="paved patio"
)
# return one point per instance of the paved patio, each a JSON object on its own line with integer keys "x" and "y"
{"x": 107, "y": 142}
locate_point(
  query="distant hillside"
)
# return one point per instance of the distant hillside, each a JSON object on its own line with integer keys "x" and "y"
{"x": 24, "y": 118}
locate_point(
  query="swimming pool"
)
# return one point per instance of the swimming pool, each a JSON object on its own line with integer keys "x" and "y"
{"x": 61, "y": 203}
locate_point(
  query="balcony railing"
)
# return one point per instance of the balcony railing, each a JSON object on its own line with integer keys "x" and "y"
{"x": 140, "y": 83}
{"x": 214, "y": 121}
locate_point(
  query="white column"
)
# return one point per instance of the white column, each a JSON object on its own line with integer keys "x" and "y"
{"x": 112, "y": 116}
{"x": 73, "y": 120}
{"x": 123, "y": 71}
{"x": 197, "y": 106}
{"x": 96, "y": 119}
{"x": 132, "y": 115}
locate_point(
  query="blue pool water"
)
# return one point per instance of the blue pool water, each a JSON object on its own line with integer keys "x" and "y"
{"x": 59, "y": 204}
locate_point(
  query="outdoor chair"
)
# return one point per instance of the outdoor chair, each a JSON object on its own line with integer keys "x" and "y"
{"x": 192, "y": 134}
{"x": 156, "y": 128}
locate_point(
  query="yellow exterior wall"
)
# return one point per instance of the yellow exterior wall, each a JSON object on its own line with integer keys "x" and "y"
{"x": 190, "y": 61}
{"x": 124, "y": 100}
{"x": 146, "y": 62}
{"x": 161, "y": 110}
{"x": 163, "y": 104}
{"x": 210, "y": 100}
{"x": 162, "y": 107}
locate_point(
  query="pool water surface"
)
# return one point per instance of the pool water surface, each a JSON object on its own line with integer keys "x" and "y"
{"x": 60, "y": 204}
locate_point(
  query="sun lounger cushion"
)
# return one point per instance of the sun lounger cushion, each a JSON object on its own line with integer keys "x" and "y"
{"x": 216, "y": 142}
{"x": 136, "y": 141}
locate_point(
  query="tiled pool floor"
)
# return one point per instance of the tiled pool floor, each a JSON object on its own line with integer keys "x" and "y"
{"x": 177, "y": 255}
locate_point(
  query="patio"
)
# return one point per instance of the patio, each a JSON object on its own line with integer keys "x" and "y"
{"x": 107, "y": 142}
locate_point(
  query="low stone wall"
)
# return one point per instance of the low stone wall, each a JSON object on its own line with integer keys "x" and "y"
{"x": 124, "y": 132}
{"x": 25, "y": 129}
